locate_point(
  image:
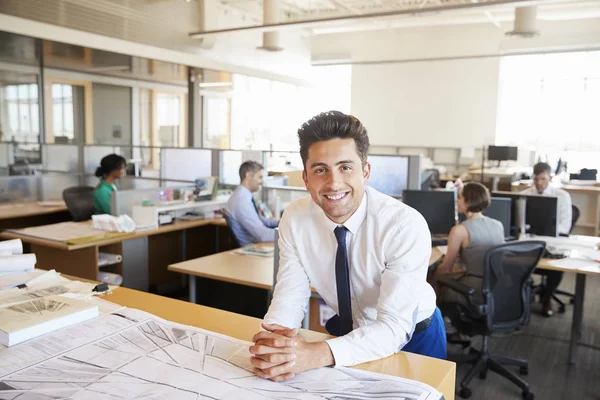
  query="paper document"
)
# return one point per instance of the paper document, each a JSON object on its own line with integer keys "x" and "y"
{"x": 30, "y": 319}
{"x": 257, "y": 250}
{"x": 14, "y": 246}
{"x": 574, "y": 263}
{"x": 17, "y": 263}
{"x": 133, "y": 354}
{"x": 11, "y": 279}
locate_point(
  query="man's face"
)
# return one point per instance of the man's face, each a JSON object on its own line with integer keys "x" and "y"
{"x": 335, "y": 177}
{"x": 255, "y": 180}
{"x": 541, "y": 181}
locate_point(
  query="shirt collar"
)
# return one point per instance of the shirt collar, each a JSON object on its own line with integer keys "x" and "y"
{"x": 355, "y": 221}
{"x": 244, "y": 191}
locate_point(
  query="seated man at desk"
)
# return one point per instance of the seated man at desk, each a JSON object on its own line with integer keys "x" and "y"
{"x": 366, "y": 254}
{"x": 541, "y": 186}
{"x": 112, "y": 168}
{"x": 250, "y": 226}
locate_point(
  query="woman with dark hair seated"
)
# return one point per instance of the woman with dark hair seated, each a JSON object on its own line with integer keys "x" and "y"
{"x": 112, "y": 167}
{"x": 467, "y": 244}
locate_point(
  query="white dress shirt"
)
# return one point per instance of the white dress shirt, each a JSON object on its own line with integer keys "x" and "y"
{"x": 389, "y": 245}
{"x": 563, "y": 203}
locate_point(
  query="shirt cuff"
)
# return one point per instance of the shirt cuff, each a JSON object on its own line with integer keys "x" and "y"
{"x": 341, "y": 350}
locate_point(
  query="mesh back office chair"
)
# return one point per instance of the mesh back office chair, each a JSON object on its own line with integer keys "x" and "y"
{"x": 231, "y": 224}
{"x": 506, "y": 289}
{"x": 537, "y": 290}
{"x": 80, "y": 202}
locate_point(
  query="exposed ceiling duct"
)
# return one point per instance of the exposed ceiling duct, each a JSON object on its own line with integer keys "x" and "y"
{"x": 270, "y": 16}
{"x": 525, "y": 22}
{"x": 208, "y": 14}
{"x": 353, "y": 19}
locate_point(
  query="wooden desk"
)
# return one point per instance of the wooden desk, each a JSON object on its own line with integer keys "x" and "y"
{"x": 147, "y": 251}
{"x": 439, "y": 374}
{"x": 22, "y": 215}
{"x": 247, "y": 270}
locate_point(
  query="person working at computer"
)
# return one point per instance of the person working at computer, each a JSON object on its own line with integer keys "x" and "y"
{"x": 366, "y": 254}
{"x": 248, "y": 225}
{"x": 467, "y": 244}
{"x": 541, "y": 186}
{"x": 112, "y": 168}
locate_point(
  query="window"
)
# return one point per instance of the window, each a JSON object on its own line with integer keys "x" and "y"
{"x": 22, "y": 113}
{"x": 62, "y": 111}
{"x": 550, "y": 102}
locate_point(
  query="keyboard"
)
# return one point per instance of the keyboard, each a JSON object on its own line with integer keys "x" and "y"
{"x": 439, "y": 241}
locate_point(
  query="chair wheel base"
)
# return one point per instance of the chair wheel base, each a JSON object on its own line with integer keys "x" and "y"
{"x": 561, "y": 309}
{"x": 465, "y": 393}
{"x": 572, "y": 301}
{"x": 524, "y": 370}
{"x": 482, "y": 374}
{"x": 527, "y": 395}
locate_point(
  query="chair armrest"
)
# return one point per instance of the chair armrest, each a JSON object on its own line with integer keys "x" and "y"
{"x": 457, "y": 286}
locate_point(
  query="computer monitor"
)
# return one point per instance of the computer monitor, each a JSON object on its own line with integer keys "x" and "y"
{"x": 540, "y": 213}
{"x": 502, "y": 153}
{"x": 437, "y": 207}
{"x": 499, "y": 209}
{"x": 389, "y": 174}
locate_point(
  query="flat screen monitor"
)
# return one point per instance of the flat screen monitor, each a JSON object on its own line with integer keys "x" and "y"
{"x": 389, "y": 174}
{"x": 499, "y": 209}
{"x": 502, "y": 153}
{"x": 540, "y": 213}
{"x": 437, "y": 207}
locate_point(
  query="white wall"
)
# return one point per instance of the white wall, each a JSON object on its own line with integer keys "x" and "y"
{"x": 437, "y": 104}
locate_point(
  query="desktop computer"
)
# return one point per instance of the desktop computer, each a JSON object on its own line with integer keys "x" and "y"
{"x": 499, "y": 209}
{"x": 437, "y": 207}
{"x": 540, "y": 213}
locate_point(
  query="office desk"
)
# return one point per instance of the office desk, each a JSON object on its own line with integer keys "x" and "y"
{"x": 439, "y": 374}
{"x": 145, "y": 253}
{"x": 247, "y": 270}
{"x": 581, "y": 274}
{"x": 24, "y": 214}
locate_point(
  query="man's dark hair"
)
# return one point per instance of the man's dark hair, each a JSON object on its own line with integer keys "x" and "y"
{"x": 333, "y": 125}
{"x": 477, "y": 195}
{"x": 249, "y": 166}
{"x": 542, "y": 167}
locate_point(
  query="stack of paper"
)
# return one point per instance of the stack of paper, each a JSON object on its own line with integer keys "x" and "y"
{"x": 30, "y": 319}
{"x": 257, "y": 250}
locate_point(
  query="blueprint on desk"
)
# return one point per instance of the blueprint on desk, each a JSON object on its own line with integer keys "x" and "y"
{"x": 132, "y": 354}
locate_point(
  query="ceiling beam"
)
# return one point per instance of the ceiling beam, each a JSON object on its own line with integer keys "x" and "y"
{"x": 357, "y": 18}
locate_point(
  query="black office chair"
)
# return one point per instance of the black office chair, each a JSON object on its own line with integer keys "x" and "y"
{"x": 506, "y": 289}
{"x": 538, "y": 289}
{"x": 80, "y": 202}
{"x": 231, "y": 223}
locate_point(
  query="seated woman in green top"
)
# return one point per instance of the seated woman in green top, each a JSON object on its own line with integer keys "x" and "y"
{"x": 112, "y": 167}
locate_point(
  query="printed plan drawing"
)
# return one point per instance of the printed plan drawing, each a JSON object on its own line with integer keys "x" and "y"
{"x": 135, "y": 355}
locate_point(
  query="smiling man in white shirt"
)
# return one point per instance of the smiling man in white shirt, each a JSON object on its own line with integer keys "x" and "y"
{"x": 366, "y": 254}
{"x": 564, "y": 216}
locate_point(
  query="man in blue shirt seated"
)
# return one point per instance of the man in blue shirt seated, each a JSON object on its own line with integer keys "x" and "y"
{"x": 249, "y": 226}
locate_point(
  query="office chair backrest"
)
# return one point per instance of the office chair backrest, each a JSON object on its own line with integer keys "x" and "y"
{"x": 574, "y": 216}
{"x": 80, "y": 202}
{"x": 507, "y": 282}
{"x": 232, "y": 226}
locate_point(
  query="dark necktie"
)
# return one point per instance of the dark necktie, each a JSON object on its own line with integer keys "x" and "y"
{"x": 342, "y": 280}
{"x": 255, "y": 205}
